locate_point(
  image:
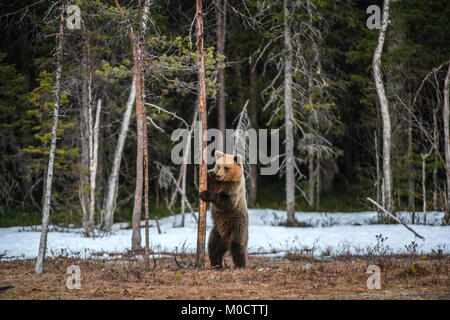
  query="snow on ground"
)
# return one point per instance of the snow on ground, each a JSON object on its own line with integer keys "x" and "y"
{"x": 336, "y": 232}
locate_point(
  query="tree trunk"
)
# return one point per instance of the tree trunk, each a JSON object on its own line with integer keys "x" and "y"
{"x": 111, "y": 194}
{"x": 113, "y": 180}
{"x": 289, "y": 119}
{"x": 387, "y": 173}
{"x": 93, "y": 163}
{"x": 424, "y": 189}
{"x": 436, "y": 157}
{"x": 200, "y": 257}
{"x": 311, "y": 178}
{"x": 39, "y": 268}
{"x": 378, "y": 184}
{"x": 253, "y": 178}
{"x": 84, "y": 134}
{"x": 318, "y": 186}
{"x": 221, "y": 27}
{"x": 411, "y": 200}
{"x": 446, "y": 115}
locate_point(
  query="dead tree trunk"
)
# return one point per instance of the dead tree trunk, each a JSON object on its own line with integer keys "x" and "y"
{"x": 318, "y": 185}
{"x": 253, "y": 179}
{"x": 424, "y": 186}
{"x": 378, "y": 184}
{"x": 93, "y": 162}
{"x": 84, "y": 134}
{"x": 113, "y": 180}
{"x": 140, "y": 119}
{"x": 200, "y": 257}
{"x": 311, "y": 178}
{"x": 111, "y": 194}
{"x": 411, "y": 198}
{"x": 289, "y": 119}
{"x": 446, "y": 115}
{"x": 436, "y": 156}
{"x": 387, "y": 173}
{"x": 39, "y": 268}
{"x": 221, "y": 27}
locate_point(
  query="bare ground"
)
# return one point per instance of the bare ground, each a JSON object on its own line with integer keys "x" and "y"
{"x": 295, "y": 277}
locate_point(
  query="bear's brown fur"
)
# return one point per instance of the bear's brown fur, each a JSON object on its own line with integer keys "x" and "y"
{"x": 226, "y": 192}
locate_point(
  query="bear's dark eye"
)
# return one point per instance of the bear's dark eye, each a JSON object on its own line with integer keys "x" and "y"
{"x": 227, "y": 169}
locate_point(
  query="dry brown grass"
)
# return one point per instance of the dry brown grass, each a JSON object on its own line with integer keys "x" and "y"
{"x": 298, "y": 277}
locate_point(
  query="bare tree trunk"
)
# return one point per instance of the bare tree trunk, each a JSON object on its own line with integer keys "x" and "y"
{"x": 84, "y": 133}
{"x": 411, "y": 199}
{"x": 146, "y": 168}
{"x": 387, "y": 173}
{"x": 221, "y": 27}
{"x": 200, "y": 257}
{"x": 253, "y": 178}
{"x": 311, "y": 178}
{"x": 183, "y": 195}
{"x": 93, "y": 163}
{"x": 317, "y": 175}
{"x": 111, "y": 194}
{"x": 424, "y": 186}
{"x": 378, "y": 184}
{"x": 140, "y": 119}
{"x": 446, "y": 115}
{"x": 113, "y": 180}
{"x": 39, "y": 268}
{"x": 289, "y": 119}
{"x": 436, "y": 155}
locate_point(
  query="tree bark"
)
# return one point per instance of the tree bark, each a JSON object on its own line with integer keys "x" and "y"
{"x": 411, "y": 198}
{"x": 39, "y": 268}
{"x": 424, "y": 186}
{"x": 289, "y": 119}
{"x": 221, "y": 27}
{"x": 253, "y": 178}
{"x": 446, "y": 115}
{"x": 387, "y": 173}
{"x": 111, "y": 194}
{"x": 200, "y": 256}
{"x": 113, "y": 180}
{"x": 378, "y": 184}
{"x": 84, "y": 134}
{"x": 311, "y": 178}
{"x": 93, "y": 163}
{"x": 318, "y": 185}
{"x": 436, "y": 155}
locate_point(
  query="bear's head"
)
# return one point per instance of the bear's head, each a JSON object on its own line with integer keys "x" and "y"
{"x": 228, "y": 167}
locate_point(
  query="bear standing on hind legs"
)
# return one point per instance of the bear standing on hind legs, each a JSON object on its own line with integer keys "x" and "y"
{"x": 226, "y": 191}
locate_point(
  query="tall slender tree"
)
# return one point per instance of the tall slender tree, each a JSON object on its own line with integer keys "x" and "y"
{"x": 289, "y": 117}
{"x": 200, "y": 257}
{"x": 221, "y": 28}
{"x": 446, "y": 115}
{"x": 379, "y": 84}
{"x": 113, "y": 180}
{"x": 39, "y": 268}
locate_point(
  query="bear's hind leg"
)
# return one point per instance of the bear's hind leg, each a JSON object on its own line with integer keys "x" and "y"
{"x": 216, "y": 248}
{"x": 239, "y": 254}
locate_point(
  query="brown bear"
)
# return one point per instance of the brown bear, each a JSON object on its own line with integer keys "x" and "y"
{"x": 226, "y": 192}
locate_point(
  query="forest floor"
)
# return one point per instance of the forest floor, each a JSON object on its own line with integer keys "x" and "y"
{"x": 292, "y": 277}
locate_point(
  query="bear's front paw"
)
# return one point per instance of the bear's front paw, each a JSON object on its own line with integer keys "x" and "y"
{"x": 205, "y": 195}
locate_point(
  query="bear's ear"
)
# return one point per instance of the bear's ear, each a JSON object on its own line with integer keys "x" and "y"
{"x": 238, "y": 159}
{"x": 218, "y": 154}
